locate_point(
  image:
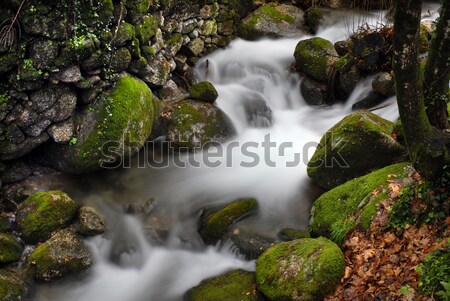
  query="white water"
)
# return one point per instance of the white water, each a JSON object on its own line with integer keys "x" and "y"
{"x": 245, "y": 70}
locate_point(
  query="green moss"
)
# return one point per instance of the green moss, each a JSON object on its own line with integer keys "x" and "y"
{"x": 351, "y": 202}
{"x": 315, "y": 57}
{"x": 203, "y": 91}
{"x": 28, "y": 72}
{"x": 314, "y": 16}
{"x": 44, "y": 212}
{"x": 215, "y": 225}
{"x": 10, "y": 248}
{"x": 137, "y": 7}
{"x": 148, "y": 52}
{"x": 12, "y": 286}
{"x": 304, "y": 269}
{"x": 125, "y": 117}
{"x": 174, "y": 39}
{"x": 234, "y": 285}
{"x": 146, "y": 29}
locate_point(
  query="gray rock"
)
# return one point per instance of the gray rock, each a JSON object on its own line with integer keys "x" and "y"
{"x": 195, "y": 47}
{"x": 70, "y": 74}
{"x": 314, "y": 92}
{"x": 384, "y": 84}
{"x": 38, "y": 128}
{"x": 91, "y": 223}
{"x": 188, "y": 26}
{"x": 13, "y": 284}
{"x": 44, "y": 52}
{"x": 119, "y": 60}
{"x": 62, "y": 132}
{"x": 15, "y": 171}
{"x": 155, "y": 73}
{"x": 249, "y": 243}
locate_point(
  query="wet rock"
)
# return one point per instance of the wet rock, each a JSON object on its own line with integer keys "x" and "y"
{"x": 10, "y": 248}
{"x": 314, "y": 17}
{"x": 193, "y": 124}
{"x": 233, "y": 285}
{"x": 314, "y": 93}
{"x": 226, "y": 28}
{"x": 289, "y": 234}
{"x": 121, "y": 117}
{"x": 384, "y": 84}
{"x": 70, "y": 74}
{"x": 249, "y": 243}
{"x": 273, "y": 20}
{"x": 170, "y": 92}
{"x": 366, "y": 49}
{"x": 209, "y": 28}
{"x": 13, "y": 285}
{"x": 304, "y": 269}
{"x": 214, "y": 224}
{"x": 44, "y": 212}
{"x": 91, "y": 223}
{"x": 94, "y": 61}
{"x": 257, "y": 111}
{"x": 347, "y": 77}
{"x": 62, "y": 255}
{"x": 341, "y": 47}
{"x": 56, "y": 102}
{"x": 370, "y": 101}
{"x": 315, "y": 57}
{"x": 356, "y": 145}
{"x": 44, "y": 52}
{"x": 203, "y": 91}
{"x": 62, "y": 132}
{"x": 125, "y": 33}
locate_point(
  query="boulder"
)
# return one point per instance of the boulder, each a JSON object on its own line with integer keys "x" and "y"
{"x": 273, "y": 20}
{"x": 384, "y": 84}
{"x": 234, "y": 285}
{"x": 355, "y": 146}
{"x": 192, "y": 124}
{"x": 315, "y": 93}
{"x": 13, "y": 286}
{"x": 203, "y": 91}
{"x": 10, "y": 248}
{"x": 315, "y": 58}
{"x": 44, "y": 212}
{"x": 62, "y": 255}
{"x": 91, "y": 223}
{"x": 114, "y": 127}
{"x": 303, "y": 269}
{"x": 353, "y": 204}
{"x": 214, "y": 224}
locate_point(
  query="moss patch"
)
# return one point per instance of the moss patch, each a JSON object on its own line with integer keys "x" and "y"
{"x": 10, "y": 248}
{"x": 12, "y": 285}
{"x": 203, "y": 91}
{"x": 303, "y": 269}
{"x": 146, "y": 29}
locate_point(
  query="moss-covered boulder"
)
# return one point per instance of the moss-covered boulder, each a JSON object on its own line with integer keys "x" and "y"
{"x": 289, "y": 234}
{"x": 234, "y": 285}
{"x": 357, "y": 145}
{"x": 193, "y": 124}
{"x": 300, "y": 270}
{"x": 114, "y": 127}
{"x": 353, "y": 204}
{"x": 63, "y": 254}
{"x": 44, "y": 212}
{"x": 315, "y": 57}
{"x": 214, "y": 224}
{"x": 274, "y": 21}
{"x": 146, "y": 28}
{"x": 203, "y": 91}
{"x": 10, "y": 248}
{"x": 13, "y": 286}
{"x": 91, "y": 223}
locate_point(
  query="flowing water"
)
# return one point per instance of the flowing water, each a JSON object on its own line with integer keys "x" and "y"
{"x": 250, "y": 78}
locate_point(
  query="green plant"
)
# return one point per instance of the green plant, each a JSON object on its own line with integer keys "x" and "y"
{"x": 339, "y": 230}
{"x": 73, "y": 141}
{"x": 435, "y": 273}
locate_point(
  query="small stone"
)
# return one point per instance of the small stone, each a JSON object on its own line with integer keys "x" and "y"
{"x": 384, "y": 84}
{"x": 195, "y": 47}
{"x": 91, "y": 223}
{"x": 62, "y": 132}
{"x": 44, "y": 52}
{"x": 188, "y": 26}
{"x": 71, "y": 74}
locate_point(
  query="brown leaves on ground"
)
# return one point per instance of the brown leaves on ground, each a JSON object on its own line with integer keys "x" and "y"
{"x": 380, "y": 262}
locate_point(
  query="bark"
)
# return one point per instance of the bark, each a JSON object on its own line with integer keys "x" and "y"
{"x": 437, "y": 71}
{"x": 426, "y": 145}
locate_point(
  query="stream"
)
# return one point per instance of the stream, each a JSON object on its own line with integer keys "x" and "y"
{"x": 130, "y": 264}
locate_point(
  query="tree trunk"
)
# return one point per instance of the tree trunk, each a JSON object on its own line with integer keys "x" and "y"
{"x": 437, "y": 71}
{"x": 426, "y": 145}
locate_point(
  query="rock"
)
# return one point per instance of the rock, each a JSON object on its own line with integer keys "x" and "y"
{"x": 209, "y": 28}
{"x": 91, "y": 223}
{"x": 156, "y": 72}
{"x": 16, "y": 144}
{"x": 353, "y": 203}
{"x": 366, "y": 49}
{"x": 384, "y": 84}
{"x": 355, "y": 146}
{"x": 94, "y": 61}
{"x": 203, "y": 91}
{"x": 234, "y": 285}
{"x": 314, "y": 92}
{"x": 194, "y": 47}
{"x": 70, "y": 74}
{"x": 146, "y": 29}
{"x": 274, "y": 21}
{"x": 13, "y": 286}
{"x": 315, "y": 57}
{"x": 341, "y": 47}
{"x": 62, "y": 132}
{"x": 257, "y": 112}
{"x": 15, "y": 171}
{"x": 303, "y": 269}
{"x": 174, "y": 44}
{"x": 289, "y": 234}
{"x": 44, "y": 212}
{"x": 120, "y": 60}
{"x": 368, "y": 102}
{"x": 249, "y": 243}
{"x": 136, "y": 8}
{"x": 193, "y": 124}
{"x": 125, "y": 33}
{"x": 49, "y": 25}
{"x": 226, "y": 28}
{"x": 44, "y": 52}
{"x": 62, "y": 255}
{"x": 348, "y": 76}
{"x": 214, "y": 224}
{"x": 170, "y": 92}
{"x": 54, "y": 102}
{"x": 122, "y": 118}
{"x": 314, "y": 17}
{"x": 10, "y": 248}
{"x": 8, "y": 61}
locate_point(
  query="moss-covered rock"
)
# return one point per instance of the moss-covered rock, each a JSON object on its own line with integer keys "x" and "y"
{"x": 300, "y": 270}
{"x": 116, "y": 126}
{"x": 358, "y": 144}
{"x": 273, "y": 20}
{"x": 91, "y": 223}
{"x": 192, "y": 124}
{"x": 315, "y": 57}
{"x": 44, "y": 212}
{"x": 137, "y": 8}
{"x": 119, "y": 60}
{"x": 8, "y": 61}
{"x": 146, "y": 28}
{"x": 352, "y": 204}
{"x": 10, "y": 248}
{"x": 203, "y": 91}
{"x": 314, "y": 17}
{"x": 289, "y": 234}
{"x": 63, "y": 254}
{"x": 215, "y": 224}
{"x": 234, "y": 285}
{"x": 13, "y": 287}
